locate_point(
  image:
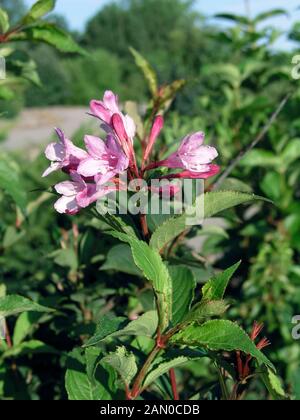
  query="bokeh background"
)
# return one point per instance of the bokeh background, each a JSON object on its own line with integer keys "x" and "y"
{"x": 236, "y": 58}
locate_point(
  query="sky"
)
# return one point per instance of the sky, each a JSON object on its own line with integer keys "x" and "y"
{"x": 78, "y": 12}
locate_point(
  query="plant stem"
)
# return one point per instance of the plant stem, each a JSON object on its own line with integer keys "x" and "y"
{"x": 174, "y": 384}
{"x": 137, "y": 386}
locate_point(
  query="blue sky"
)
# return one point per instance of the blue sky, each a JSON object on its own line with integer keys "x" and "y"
{"x": 79, "y": 11}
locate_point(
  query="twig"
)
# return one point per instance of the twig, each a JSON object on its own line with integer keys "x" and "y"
{"x": 251, "y": 146}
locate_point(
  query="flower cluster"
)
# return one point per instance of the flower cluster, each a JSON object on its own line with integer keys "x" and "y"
{"x": 94, "y": 172}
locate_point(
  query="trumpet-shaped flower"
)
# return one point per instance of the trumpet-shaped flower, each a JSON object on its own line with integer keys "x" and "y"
{"x": 63, "y": 154}
{"x": 77, "y": 194}
{"x": 192, "y": 156}
{"x": 104, "y": 160}
{"x": 105, "y": 109}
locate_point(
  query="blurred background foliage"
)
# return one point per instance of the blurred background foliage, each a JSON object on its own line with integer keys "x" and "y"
{"x": 235, "y": 81}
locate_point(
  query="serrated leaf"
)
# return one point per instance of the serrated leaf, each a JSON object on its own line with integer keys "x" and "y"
{"x": 14, "y": 304}
{"x": 215, "y": 288}
{"x": 38, "y": 10}
{"x": 4, "y": 21}
{"x": 220, "y": 335}
{"x": 145, "y": 326}
{"x": 169, "y": 361}
{"x": 184, "y": 285}
{"x": 124, "y": 363}
{"x": 214, "y": 203}
{"x": 147, "y": 70}
{"x": 204, "y": 310}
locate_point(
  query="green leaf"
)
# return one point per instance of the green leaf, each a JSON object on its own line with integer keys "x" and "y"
{"x": 4, "y": 21}
{"x": 204, "y": 310}
{"x": 215, "y": 288}
{"x": 234, "y": 18}
{"x": 145, "y": 326}
{"x": 124, "y": 363}
{"x": 151, "y": 264}
{"x": 273, "y": 384}
{"x": 38, "y": 10}
{"x": 260, "y": 157}
{"x": 14, "y": 304}
{"x": 214, "y": 203}
{"x": 220, "y": 335}
{"x": 50, "y": 34}
{"x": 86, "y": 378}
{"x": 24, "y": 326}
{"x": 11, "y": 183}
{"x": 171, "y": 362}
{"x": 184, "y": 285}
{"x": 272, "y": 13}
{"x": 119, "y": 258}
{"x": 291, "y": 152}
{"x": 147, "y": 70}
{"x": 29, "y": 347}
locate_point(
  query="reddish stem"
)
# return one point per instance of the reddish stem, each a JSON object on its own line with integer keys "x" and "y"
{"x": 174, "y": 384}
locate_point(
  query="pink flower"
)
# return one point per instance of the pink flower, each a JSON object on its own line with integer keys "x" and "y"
{"x": 104, "y": 160}
{"x": 109, "y": 106}
{"x": 77, "y": 194}
{"x": 63, "y": 154}
{"x": 192, "y": 155}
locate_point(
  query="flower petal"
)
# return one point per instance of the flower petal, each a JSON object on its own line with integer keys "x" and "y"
{"x": 55, "y": 152}
{"x": 95, "y": 146}
{"x": 68, "y": 188}
{"x": 67, "y": 205}
{"x": 111, "y": 101}
{"x": 55, "y": 166}
{"x": 99, "y": 110}
{"x": 91, "y": 167}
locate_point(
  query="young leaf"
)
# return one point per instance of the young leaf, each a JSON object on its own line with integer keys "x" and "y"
{"x": 205, "y": 309}
{"x": 214, "y": 203}
{"x": 4, "y": 21}
{"x": 273, "y": 384}
{"x": 38, "y": 10}
{"x": 124, "y": 363}
{"x": 184, "y": 285}
{"x": 147, "y": 70}
{"x": 220, "y": 335}
{"x": 24, "y": 325}
{"x": 215, "y": 288}
{"x": 14, "y": 304}
{"x": 144, "y": 326}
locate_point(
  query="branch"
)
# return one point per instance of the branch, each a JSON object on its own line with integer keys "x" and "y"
{"x": 251, "y": 146}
